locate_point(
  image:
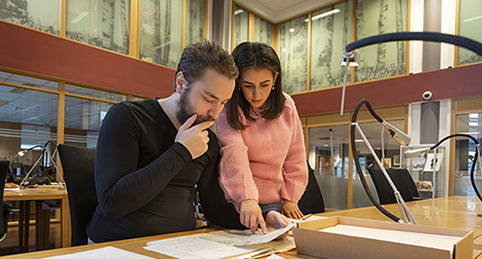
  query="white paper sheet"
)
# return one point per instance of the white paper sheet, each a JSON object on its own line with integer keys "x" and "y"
{"x": 194, "y": 247}
{"x": 245, "y": 237}
{"x": 411, "y": 238}
{"x": 102, "y": 253}
{"x": 223, "y": 244}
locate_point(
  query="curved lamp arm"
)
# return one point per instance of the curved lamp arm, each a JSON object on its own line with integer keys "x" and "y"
{"x": 399, "y": 36}
{"x": 424, "y": 36}
{"x": 351, "y": 48}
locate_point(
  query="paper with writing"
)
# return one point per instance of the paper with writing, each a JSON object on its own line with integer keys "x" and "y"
{"x": 102, "y": 253}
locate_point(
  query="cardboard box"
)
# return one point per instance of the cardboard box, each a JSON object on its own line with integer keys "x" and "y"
{"x": 310, "y": 241}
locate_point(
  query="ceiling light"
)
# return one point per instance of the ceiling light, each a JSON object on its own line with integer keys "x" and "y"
{"x": 473, "y": 18}
{"x": 238, "y": 11}
{"x": 78, "y": 18}
{"x": 292, "y": 29}
{"x": 473, "y": 124}
{"x": 474, "y": 115}
{"x": 319, "y": 16}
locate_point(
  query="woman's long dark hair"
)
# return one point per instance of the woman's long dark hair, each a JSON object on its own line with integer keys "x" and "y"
{"x": 260, "y": 56}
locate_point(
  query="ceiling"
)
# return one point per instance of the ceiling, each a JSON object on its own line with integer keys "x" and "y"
{"x": 277, "y": 11}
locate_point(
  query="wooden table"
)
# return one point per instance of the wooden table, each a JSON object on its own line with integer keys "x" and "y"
{"x": 25, "y": 196}
{"x": 449, "y": 212}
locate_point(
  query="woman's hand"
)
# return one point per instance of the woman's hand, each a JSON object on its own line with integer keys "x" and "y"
{"x": 290, "y": 209}
{"x": 275, "y": 219}
{"x": 250, "y": 215}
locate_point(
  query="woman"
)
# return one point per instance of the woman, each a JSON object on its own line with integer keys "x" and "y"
{"x": 263, "y": 164}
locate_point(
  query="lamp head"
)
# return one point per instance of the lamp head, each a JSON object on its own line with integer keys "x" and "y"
{"x": 353, "y": 58}
{"x": 401, "y": 137}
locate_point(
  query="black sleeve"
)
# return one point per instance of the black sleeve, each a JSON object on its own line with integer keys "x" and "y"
{"x": 216, "y": 209}
{"x": 121, "y": 187}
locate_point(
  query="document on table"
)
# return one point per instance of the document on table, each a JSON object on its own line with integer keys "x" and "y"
{"x": 411, "y": 238}
{"x": 222, "y": 244}
{"x": 102, "y": 253}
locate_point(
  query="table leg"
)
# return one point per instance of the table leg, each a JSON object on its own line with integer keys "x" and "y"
{"x": 23, "y": 225}
{"x": 66, "y": 237}
{"x": 42, "y": 227}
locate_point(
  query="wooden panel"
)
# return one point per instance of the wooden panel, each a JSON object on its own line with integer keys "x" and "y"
{"x": 460, "y": 82}
{"x": 471, "y": 105}
{"x": 328, "y": 119}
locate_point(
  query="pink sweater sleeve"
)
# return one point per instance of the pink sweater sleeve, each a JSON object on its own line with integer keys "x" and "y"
{"x": 235, "y": 175}
{"x": 295, "y": 166}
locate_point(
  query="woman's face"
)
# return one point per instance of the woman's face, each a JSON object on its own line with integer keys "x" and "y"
{"x": 256, "y": 85}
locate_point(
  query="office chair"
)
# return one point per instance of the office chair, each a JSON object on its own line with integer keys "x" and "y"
{"x": 402, "y": 180}
{"x": 312, "y": 199}
{"x": 78, "y": 165}
{"x": 217, "y": 211}
{"x": 4, "y": 212}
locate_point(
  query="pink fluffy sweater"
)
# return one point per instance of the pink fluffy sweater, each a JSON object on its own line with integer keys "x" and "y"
{"x": 266, "y": 161}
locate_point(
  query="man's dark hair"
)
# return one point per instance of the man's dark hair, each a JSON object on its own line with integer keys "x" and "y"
{"x": 196, "y": 58}
{"x": 260, "y": 56}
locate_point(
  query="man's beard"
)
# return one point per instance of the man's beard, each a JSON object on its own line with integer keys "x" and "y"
{"x": 185, "y": 109}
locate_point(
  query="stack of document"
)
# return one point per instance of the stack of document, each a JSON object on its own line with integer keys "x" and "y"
{"x": 224, "y": 244}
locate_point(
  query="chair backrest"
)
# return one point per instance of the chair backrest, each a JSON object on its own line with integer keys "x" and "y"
{"x": 312, "y": 199}
{"x": 216, "y": 209}
{"x": 406, "y": 178}
{"x": 385, "y": 192}
{"x": 78, "y": 165}
{"x": 3, "y": 174}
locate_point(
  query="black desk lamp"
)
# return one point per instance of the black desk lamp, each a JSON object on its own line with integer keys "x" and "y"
{"x": 44, "y": 154}
{"x": 351, "y": 55}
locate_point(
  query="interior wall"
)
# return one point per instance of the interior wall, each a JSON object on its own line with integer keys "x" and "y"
{"x": 41, "y": 53}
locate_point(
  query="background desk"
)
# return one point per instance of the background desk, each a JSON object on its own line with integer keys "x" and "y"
{"x": 448, "y": 212}
{"x": 39, "y": 194}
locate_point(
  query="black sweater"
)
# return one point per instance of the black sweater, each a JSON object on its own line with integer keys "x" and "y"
{"x": 144, "y": 181}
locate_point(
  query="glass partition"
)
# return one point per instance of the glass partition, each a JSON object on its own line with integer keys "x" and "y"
{"x": 40, "y": 15}
{"x": 293, "y": 51}
{"x": 375, "y": 17}
{"x": 83, "y": 119}
{"x": 331, "y": 31}
{"x": 470, "y": 26}
{"x": 161, "y": 31}
{"x": 464, "y": 153}
{"x": 95, "y": 93}
{"x": 28, "y": 81}
{"x": 101, "y": 23}
{"x": 328, "y": 154}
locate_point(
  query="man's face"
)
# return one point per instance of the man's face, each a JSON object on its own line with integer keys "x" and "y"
{"x": 205, "y": 97}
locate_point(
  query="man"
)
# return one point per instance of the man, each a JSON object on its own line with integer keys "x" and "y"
{"x": 151, "y": 153}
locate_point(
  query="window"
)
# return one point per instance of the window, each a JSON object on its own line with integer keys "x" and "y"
{"x": 470, "y": 26}
{"x": 293, "y": 51}
{"x": 262, "y": 30}
{"x": 241, "y": 26}
{"x": 102, "y": 23}
{"x": 40, "y": 15}
{"x": 331, "y": 32}
{"x": 375, "y": 17}
{"x": 161, "y": 31}
{"x": 194, "y": 21}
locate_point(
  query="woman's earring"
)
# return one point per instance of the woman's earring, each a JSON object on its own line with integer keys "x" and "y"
{"x": 272, "y": 89}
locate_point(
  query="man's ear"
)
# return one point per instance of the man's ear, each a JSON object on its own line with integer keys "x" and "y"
{"x": 180, "y": 82}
